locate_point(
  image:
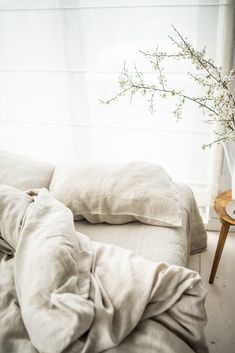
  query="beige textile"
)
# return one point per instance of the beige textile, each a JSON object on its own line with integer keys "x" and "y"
{"x": 63, "y": 293}
{"x": 172, "y": 245}
{"x": 118, "y": 193}
{"x": 23, "y": 172}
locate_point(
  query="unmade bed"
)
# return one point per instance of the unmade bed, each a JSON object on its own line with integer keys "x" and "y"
{"x": 85, "y": 291}
{"x": 171, "y": 245}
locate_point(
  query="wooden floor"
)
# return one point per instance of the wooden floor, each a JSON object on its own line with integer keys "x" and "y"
{"x": 220, "y": 304}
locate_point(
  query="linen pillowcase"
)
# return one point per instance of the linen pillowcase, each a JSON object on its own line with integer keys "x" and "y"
{"x": 118, "y": 193}
{"x": 24, "y": 173}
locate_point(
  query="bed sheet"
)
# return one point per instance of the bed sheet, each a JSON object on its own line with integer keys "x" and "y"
{"x": 171, "y": 245}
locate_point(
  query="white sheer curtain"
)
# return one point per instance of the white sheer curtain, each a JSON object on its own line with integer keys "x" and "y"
{"x": 58, "y": 58}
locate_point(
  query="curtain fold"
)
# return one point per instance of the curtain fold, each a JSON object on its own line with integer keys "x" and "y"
{"x": 220, "y": 178}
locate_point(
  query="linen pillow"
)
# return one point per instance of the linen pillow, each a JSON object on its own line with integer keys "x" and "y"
{"x": 23, "y": 172}
{"x": 118, "y": 193}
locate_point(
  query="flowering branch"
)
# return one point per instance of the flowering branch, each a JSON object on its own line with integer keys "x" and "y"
{"x": 217, "y": 103}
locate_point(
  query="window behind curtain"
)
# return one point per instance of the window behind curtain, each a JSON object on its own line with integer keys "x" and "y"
{"x": 59, "y": 58}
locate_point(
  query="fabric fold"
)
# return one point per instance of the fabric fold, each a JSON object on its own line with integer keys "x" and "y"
{"x": 86, "y": 297}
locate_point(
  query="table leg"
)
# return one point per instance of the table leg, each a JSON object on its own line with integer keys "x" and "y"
{"x": 220, "y": 245}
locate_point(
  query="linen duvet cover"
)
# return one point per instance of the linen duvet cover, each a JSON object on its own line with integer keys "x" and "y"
{"x": 61, "y": 292}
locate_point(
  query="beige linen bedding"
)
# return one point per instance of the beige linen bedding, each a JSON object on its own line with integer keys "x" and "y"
{"x": 63, "y": 293}
{"x": 23, "y": 172}
{"x": 118, "y": 193}
{"x": 171, "y": 245}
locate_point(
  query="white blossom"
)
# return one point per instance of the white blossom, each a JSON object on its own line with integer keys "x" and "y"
{"x": 217, "y": 102}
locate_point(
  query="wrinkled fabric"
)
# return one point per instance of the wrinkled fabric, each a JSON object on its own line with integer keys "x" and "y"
{"x": 63, "y": 293}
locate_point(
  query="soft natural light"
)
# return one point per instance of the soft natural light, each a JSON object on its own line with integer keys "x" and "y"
{"x": 58, "y": 59}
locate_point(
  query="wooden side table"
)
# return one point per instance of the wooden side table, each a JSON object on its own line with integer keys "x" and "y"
{"x": 220, "y": 204}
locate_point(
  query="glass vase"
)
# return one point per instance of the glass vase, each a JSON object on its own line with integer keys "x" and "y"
{"x": 229, "y": 150}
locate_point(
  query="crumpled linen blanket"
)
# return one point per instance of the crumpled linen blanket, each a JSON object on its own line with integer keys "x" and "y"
{"x": 63, "y": 293}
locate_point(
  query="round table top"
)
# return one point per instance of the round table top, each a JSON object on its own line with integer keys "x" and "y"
{"x": 220, "y": 204}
